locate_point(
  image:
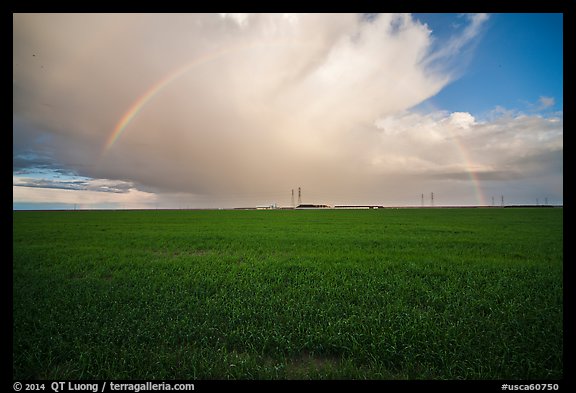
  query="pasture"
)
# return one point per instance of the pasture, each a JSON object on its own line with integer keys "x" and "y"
{"x": 319, "y": 294}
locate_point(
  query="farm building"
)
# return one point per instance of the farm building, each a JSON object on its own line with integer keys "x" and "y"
{"x": 358, "y": 207}
{"x": 313, "y": 206}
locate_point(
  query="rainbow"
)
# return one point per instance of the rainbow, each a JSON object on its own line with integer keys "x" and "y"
{"x": 140, "y": 103}
{"x": 152, "y": 91}
{"x": 472, "y": 173}
{"x": 157, "y": 87}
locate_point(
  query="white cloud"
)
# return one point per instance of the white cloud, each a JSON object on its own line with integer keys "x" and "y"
{"x": 546, "y": 102}
{"x": 267, "y": 103}
{"x": 453, "y": 47}
{"x": 241, "y": 19}
{"x": 449, "y": 143}
{"x": 462, "y": 119}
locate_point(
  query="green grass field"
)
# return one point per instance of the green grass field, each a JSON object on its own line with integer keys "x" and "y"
{"x": 324, "y": 294}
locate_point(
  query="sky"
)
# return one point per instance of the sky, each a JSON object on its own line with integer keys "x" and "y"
{"x": 147, "y": 111}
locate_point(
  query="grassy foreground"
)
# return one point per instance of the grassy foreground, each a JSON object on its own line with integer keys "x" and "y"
{"x": 369, "y": 294}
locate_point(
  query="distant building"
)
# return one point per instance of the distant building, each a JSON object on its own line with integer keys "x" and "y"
{"x": 313, "y": 206}
{"x": 358, "y": 207}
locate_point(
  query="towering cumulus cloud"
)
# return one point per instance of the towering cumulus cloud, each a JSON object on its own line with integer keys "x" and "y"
{"x": 240, "y": 106}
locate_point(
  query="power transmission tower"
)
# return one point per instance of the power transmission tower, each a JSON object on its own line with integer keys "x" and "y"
{"x": 299, "y": 196}
{"x": 422, "y": 201}
{"x": 292, "y": 197}
{"x": 502, "y": 197}
{"x": 432, "y": 198}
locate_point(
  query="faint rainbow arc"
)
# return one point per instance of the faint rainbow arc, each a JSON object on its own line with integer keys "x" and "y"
{"x": 157, "y": 87}
{"x": 471, "y": 172}
{"x": 137, "y": 106}
{"x": 468, "y": 162}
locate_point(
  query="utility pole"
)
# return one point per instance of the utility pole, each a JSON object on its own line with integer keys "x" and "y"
{"x": 292, "y": 197}
{"x": 299, "y": 196}
{"x": 432, "y": 198}
{"x": 422, "y": 200}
